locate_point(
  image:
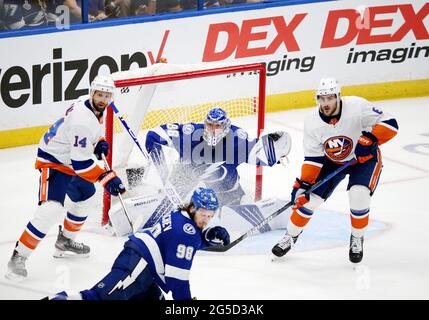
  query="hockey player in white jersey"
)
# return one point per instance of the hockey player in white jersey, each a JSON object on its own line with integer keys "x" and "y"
{"x": 340, "y": 129}
{"x": 67, "y": 160}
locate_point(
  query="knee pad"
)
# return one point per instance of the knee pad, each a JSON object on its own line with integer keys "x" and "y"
{"x": 47, "y": 214}
{"x": 359, "y": 197}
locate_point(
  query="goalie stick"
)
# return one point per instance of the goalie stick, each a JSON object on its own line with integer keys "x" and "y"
{"x": 255, "y": 229}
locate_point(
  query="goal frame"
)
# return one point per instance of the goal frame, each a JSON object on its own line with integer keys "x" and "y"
{"x": 260, "y": 67}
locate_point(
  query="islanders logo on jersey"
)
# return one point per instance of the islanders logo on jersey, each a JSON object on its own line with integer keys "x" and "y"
{"x": 338, "y": 148}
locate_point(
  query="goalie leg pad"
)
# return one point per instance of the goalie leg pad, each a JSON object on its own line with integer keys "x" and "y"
{"x": 139, "y": 208}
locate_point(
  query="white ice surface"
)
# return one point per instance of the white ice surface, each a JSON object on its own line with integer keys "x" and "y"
{"x": 396, "y": 256}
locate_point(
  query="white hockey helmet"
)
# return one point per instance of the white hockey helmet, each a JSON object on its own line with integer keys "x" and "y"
{"x": 328, "y": 86}
{"x": 102, "y": 83}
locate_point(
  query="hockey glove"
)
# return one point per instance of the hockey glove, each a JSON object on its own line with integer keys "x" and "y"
{"x": 215, "y": 236}
{"x": 110, "y": 181}
{"x": 366, "y": 147}
{"x": 298, "y": 190}
{"x": 102, "y": 147}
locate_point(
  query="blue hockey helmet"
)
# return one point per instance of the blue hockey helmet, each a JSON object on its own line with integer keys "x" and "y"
{"x": 205, "y": 198}
{"x": 216, "y": 126}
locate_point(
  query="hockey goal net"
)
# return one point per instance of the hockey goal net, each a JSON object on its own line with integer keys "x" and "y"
{"x": 167, "y": 93}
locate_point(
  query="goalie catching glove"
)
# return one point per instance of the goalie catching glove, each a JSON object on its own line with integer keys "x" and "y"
{"x": 271, "y": 148}
{"x": 215, "y": 236}
{"x": 279, "y": 144}
{"x": 110, "y": 181}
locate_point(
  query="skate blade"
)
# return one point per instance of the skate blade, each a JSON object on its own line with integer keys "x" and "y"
{"x": 275, "y": 258}
{"x": 14, "y": 277}
{"x": 69, "y": 255}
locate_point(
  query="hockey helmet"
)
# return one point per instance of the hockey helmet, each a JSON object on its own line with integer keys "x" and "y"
{"x": 104, "y": 84}
{"x": 328, "y": 86}
{"x": 205, "y": 198}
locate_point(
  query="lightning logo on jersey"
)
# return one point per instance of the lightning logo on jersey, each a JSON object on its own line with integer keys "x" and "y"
{"x": 123, "y": 284}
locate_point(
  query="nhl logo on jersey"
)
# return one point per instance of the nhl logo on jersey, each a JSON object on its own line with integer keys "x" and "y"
{"x": 338, "y": 148}
{"x": 189, "y": 228}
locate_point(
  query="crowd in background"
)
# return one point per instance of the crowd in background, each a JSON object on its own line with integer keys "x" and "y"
{"x": 20, "y": 14}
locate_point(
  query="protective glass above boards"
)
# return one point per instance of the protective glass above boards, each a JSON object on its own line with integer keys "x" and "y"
{"x": 36, "y": 14}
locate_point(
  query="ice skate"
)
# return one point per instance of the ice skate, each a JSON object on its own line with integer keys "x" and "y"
{"x": 68, "y": 248}
{"x": 356, "y": 249}
{"x": 284, "y": 245}
{"x": 16, "y": 267}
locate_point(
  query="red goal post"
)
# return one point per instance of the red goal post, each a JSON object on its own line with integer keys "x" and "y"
{"x": 259, "y": 101}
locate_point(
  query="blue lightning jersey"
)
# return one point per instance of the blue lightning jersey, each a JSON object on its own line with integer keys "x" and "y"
{"x": 216, "y": 166}
{"x": 169, "y": 248}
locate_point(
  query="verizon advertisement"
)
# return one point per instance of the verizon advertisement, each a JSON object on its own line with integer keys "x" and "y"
{"x": 41, "y": 75}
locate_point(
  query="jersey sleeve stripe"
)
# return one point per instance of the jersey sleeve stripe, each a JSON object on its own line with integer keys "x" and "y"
{"x": 177, "y": 273}
{"x": 384, "y": 132}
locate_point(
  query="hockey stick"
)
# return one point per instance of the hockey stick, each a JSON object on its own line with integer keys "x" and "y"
{"x": 119, "y": 195}
{"x": 130, "y": 132}
{"x": 252, "y": 231}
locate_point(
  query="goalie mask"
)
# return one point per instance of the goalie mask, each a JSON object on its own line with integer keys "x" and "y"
{"x": 216, "y": 126}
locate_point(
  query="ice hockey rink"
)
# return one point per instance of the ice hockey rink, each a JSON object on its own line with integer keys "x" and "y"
{"x": 396, "y": 258}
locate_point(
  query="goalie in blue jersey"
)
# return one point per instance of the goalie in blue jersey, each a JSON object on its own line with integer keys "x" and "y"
{"x": 211, "y": 152}
{"x": 160, "y": 257}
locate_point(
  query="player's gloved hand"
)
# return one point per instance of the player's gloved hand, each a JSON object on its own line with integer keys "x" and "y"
{"x": 366, "y": 147}
{"x": 110, "y": 181}
{"x": 102, "y": 147}
{"x": 216, "y": 236}
{"x": 298, "y": 190}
